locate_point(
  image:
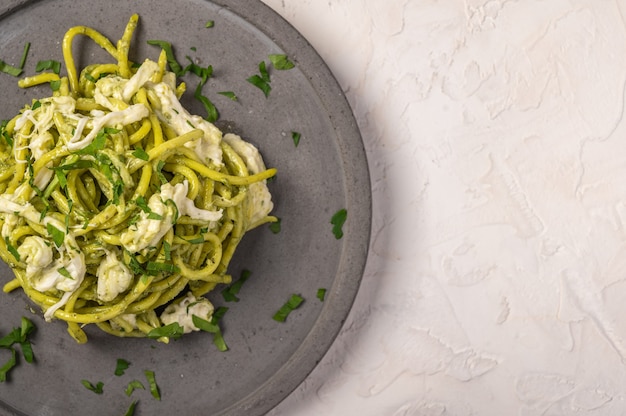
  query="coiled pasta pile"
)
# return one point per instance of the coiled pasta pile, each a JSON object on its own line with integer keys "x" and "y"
{"x": 116, "y": 202}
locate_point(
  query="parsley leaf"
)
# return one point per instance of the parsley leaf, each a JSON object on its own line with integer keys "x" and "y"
{"x": 154, "y": 266}
{"x": 55, "y": 85}
{"x": 121, "y": 366}
{"x": 154, "y": 388}
{"x": 96, "y": 145}
{"x": 260, "y": 83}
{"x": 10, "y": 69}
{"x": 173, "y": 330}
{"x": 212, "y": 113}
{"x": 321, "y": 294}
{"x": 209, "y": 24}
{"x": 275, "y": 226}
{"x": 139, "y": 153}
{"x": 265, "y": 75}
{"x": 131, "y": 409}
{"x": 337, "y": 220}
{"x": 24, "y": 55}
{"x": 229, "y": 94}
{"x": 213, "y": 327}
{"x": 57, "y": 235}
{"x": 6, "y": 367}
{"x": 132, "y": 386}
{"x": 169, "y": 53}
{"x": 281, "y": 62}
{"x": 159, "y": 172}
{"x": 12, "y": 249}
{"x": 98, "y": 388}
{"x": 230, "y": 292}
{"x": 296, "y": 137}
{"x": 51, "y": 64}
{"x": 65, "y": 273}
{"x": 293, "y": 303}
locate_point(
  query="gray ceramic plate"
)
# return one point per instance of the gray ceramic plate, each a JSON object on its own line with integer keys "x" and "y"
{"x": 326, "y": 172}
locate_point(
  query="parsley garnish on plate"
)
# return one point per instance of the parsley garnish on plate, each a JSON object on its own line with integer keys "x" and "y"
{"x": 121, "y": 366}
{"x": 230, "y": 292}
{"x": 131, "y": 409}
{"x": 262, "y": 79}
{"x": 275, "y": 226}
{"x": 295, "y": 136}
{"x": 98, "y": 388}
{"x": 132, "y": 386}
{"x": 229, "y": 94}
{"x": 50, "y": 64}
{"x": 213, "y": 327}
{"x": 154, "y": 388}
{"x": 293, "y": 303}
{"x": 10, "y": 69}
{"x": 281, "y": 62}
{"x": 337, "y": 220}
{"x": 18, "y": 336}
{"x": 173, "y": 330}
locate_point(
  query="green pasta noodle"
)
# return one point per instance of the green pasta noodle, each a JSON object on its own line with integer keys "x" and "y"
{"x": 115, "y": 202}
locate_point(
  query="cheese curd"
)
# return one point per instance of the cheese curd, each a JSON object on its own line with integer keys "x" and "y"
{"x": 155, "y": 222}
{"x": 183, "y": 311}
{"x": 113, "y": 277}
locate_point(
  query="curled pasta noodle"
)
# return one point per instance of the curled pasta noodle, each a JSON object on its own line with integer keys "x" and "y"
{"x": 116, "y": 202}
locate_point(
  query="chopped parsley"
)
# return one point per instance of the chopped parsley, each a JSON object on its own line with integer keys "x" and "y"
{"x": 24, "y": 55}
{"x": 229, "y": 94}
{"x": 173, "y": 330}
{"x": 50, "y": 64}
{"x": 169, "y": 54}
{"x": 10, "y": 69}
{"x": 159, "y": 172}
{"x": 281, "y": 62}
{"x": 262, "y": 79}
{"x": 209, "y": 107}
{"x": 337, "y": 220}
{"x": 154, "y": 388}
{"x": 55, "y": 85}
{"x": 5, "y": 134}
{"x": 321, "y": 294}
{"x": 131, "y": 409}
{"x": 132, "y": 386}
{"x": 121, "y": 366}
{"x": 213, "y": 327}
{"x": 167, "y": 250}
{"x": 209, "y": 24}
{"x": 275, "y": 226}
{"x": 293, "y": 303}
{"x": 155, "y": 266}
{"x": 98, "y": 388}
{"x": 12, "y": 249}
{"x": 57, "y": 235}
{"x": 139, "y": 153}
{"x": 98, "y": 143}
{"x": 20, "y": 336}
{"x": 230, "y": 292}
{"x": 65, "y": 273}
{"x": 295, "y": 136}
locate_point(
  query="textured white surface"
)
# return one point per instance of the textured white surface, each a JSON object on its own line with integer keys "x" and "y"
{"x": 497, "y": 148}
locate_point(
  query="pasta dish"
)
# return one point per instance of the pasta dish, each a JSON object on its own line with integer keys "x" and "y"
{"x": 118, "y": 207}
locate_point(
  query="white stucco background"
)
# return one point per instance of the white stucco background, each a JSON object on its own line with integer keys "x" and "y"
{"x": 497, "y": 148}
